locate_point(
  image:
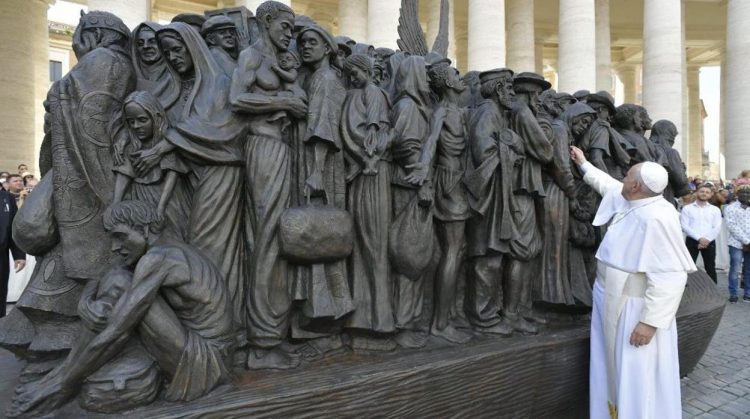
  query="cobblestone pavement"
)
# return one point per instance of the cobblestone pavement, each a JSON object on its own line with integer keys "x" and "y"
{"x": 719, "y": 387}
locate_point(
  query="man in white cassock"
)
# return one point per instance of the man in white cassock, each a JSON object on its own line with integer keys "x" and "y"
{"x": 641, "y": 274}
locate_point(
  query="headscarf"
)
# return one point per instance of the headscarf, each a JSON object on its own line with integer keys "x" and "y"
{"x": 411, "y": 80}
{"x": 158, "y": 78}
{"x": 574, "y": 111}
{"x": 206, "y": 129}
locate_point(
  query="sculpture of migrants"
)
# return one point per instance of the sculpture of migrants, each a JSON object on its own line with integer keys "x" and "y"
{"x": 244, "y": 215}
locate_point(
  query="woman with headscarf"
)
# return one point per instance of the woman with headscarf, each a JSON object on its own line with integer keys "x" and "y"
{"x": 582, "y": 236}
{"x": 207, "y": 134}
{"x": 410, "y": 116}
{"x": 559, "y": 186}
{"x": 365, "y": 130}
{"x": 151, "y": 69}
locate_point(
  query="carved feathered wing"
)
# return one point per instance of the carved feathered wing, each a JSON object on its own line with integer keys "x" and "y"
{"x": 411, "y": 37}
{"x": 440, "y": 45}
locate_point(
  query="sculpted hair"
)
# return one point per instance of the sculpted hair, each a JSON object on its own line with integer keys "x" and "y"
{"x": 438, "y": 77}
{"x": 625, "y": 115}
{"x": 361, "y": 61}
{"x": 153, "y": 108}
{"x": 137, "y": 215}
{"x": 489, "y": 88}
{"x": 272, "y": 8}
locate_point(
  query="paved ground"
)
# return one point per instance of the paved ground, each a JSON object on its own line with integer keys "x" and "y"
{"x": 719, "y": 387}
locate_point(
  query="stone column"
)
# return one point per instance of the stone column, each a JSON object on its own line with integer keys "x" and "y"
{"x": 539, "y": 57}
{"x": 695, "y": 145}
{"x": 486, "y": 34}
{"x": 662, "y": 63}
{"x": 521, "y": 47}
{"x": 353, "y": 19}
{"x": 24, "y": 80}
{"x": 603, "y": 52}
{"x": 433, "y": 26}
{"x": 382, "y": 23}
{"x": 576, "y": 66}
{"x": 737, "y": 144}
{"x": 627, "y": 74}
{"x": 723, "y": 117}
{"x": 132, "y": 12}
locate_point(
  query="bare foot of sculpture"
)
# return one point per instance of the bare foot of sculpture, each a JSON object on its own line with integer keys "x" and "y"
{"x": 367, "y": 343}
{"x": 411, "y": 339}
{"x": 275, "y": 359}
{"x": 451, "y": 334}
{"x": 318, "y": 348}
{"x": 534, "y": 316}
{"x": 502, "y": 329}
{"x": 522, "y": 325}
{"x": 38, "y": 398}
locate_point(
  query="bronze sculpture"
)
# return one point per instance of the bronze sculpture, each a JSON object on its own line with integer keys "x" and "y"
{"x": 201, "y": 161}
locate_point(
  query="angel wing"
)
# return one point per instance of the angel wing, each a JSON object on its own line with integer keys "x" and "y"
{"x": 440, "y": 45}
{"x": 411, "y": 38}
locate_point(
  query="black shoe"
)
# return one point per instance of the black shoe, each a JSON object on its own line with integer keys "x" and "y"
{"x": 746, "y": 299}
{"x": 733, "y": 299}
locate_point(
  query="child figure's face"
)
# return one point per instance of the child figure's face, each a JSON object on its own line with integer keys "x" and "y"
{"x": 139, "y": 121}
{"x": 287, "y": 61}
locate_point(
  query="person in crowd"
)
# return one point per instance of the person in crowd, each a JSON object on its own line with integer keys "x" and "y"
{"x": 4, "y": 180}
{"x": 15, "y": 185}
{"x": 8, "y": 210}
{"x": 737, "y": 216}
{"x": 642, "y": 271}
{"x": 701, "y": 223}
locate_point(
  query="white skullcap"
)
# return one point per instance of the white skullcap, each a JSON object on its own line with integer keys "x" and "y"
{"x": 654, "y": 176}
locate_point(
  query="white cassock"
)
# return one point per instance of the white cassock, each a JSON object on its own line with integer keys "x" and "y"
{"x": 641, "y": 274}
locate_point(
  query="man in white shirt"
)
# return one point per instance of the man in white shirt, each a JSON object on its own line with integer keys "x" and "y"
{"x": 642, "y": 267}
{"x": 737, "y": 217}
{"x": 701, "y": 223}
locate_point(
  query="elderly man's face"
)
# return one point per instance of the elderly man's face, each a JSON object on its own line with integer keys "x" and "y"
{"x": 312, "y": 47}
{"x": 630, "y": 184}
{"x": 280, "y": 29}
{"x": 505, "y": 93}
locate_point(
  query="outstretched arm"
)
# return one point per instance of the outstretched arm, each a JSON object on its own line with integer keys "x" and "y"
{"x": 599, "y": 180}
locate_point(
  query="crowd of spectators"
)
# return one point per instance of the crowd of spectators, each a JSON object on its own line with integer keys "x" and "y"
{"x": 14, "y": 190}
{"x": 733, "y": 243}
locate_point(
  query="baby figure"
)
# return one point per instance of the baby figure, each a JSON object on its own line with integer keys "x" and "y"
{"x": 286, "y": 69}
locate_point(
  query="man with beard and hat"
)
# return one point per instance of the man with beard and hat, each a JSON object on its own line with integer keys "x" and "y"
{"x": 220, "y": 34}
{"x": 523, "y": 266}
{"x": 642, "y": 270}
{"x": 494, "y": 151}
{"x": 603, "y": 144}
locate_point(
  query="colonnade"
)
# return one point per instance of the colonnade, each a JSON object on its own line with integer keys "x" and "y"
{"x": 670, "y": 90}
